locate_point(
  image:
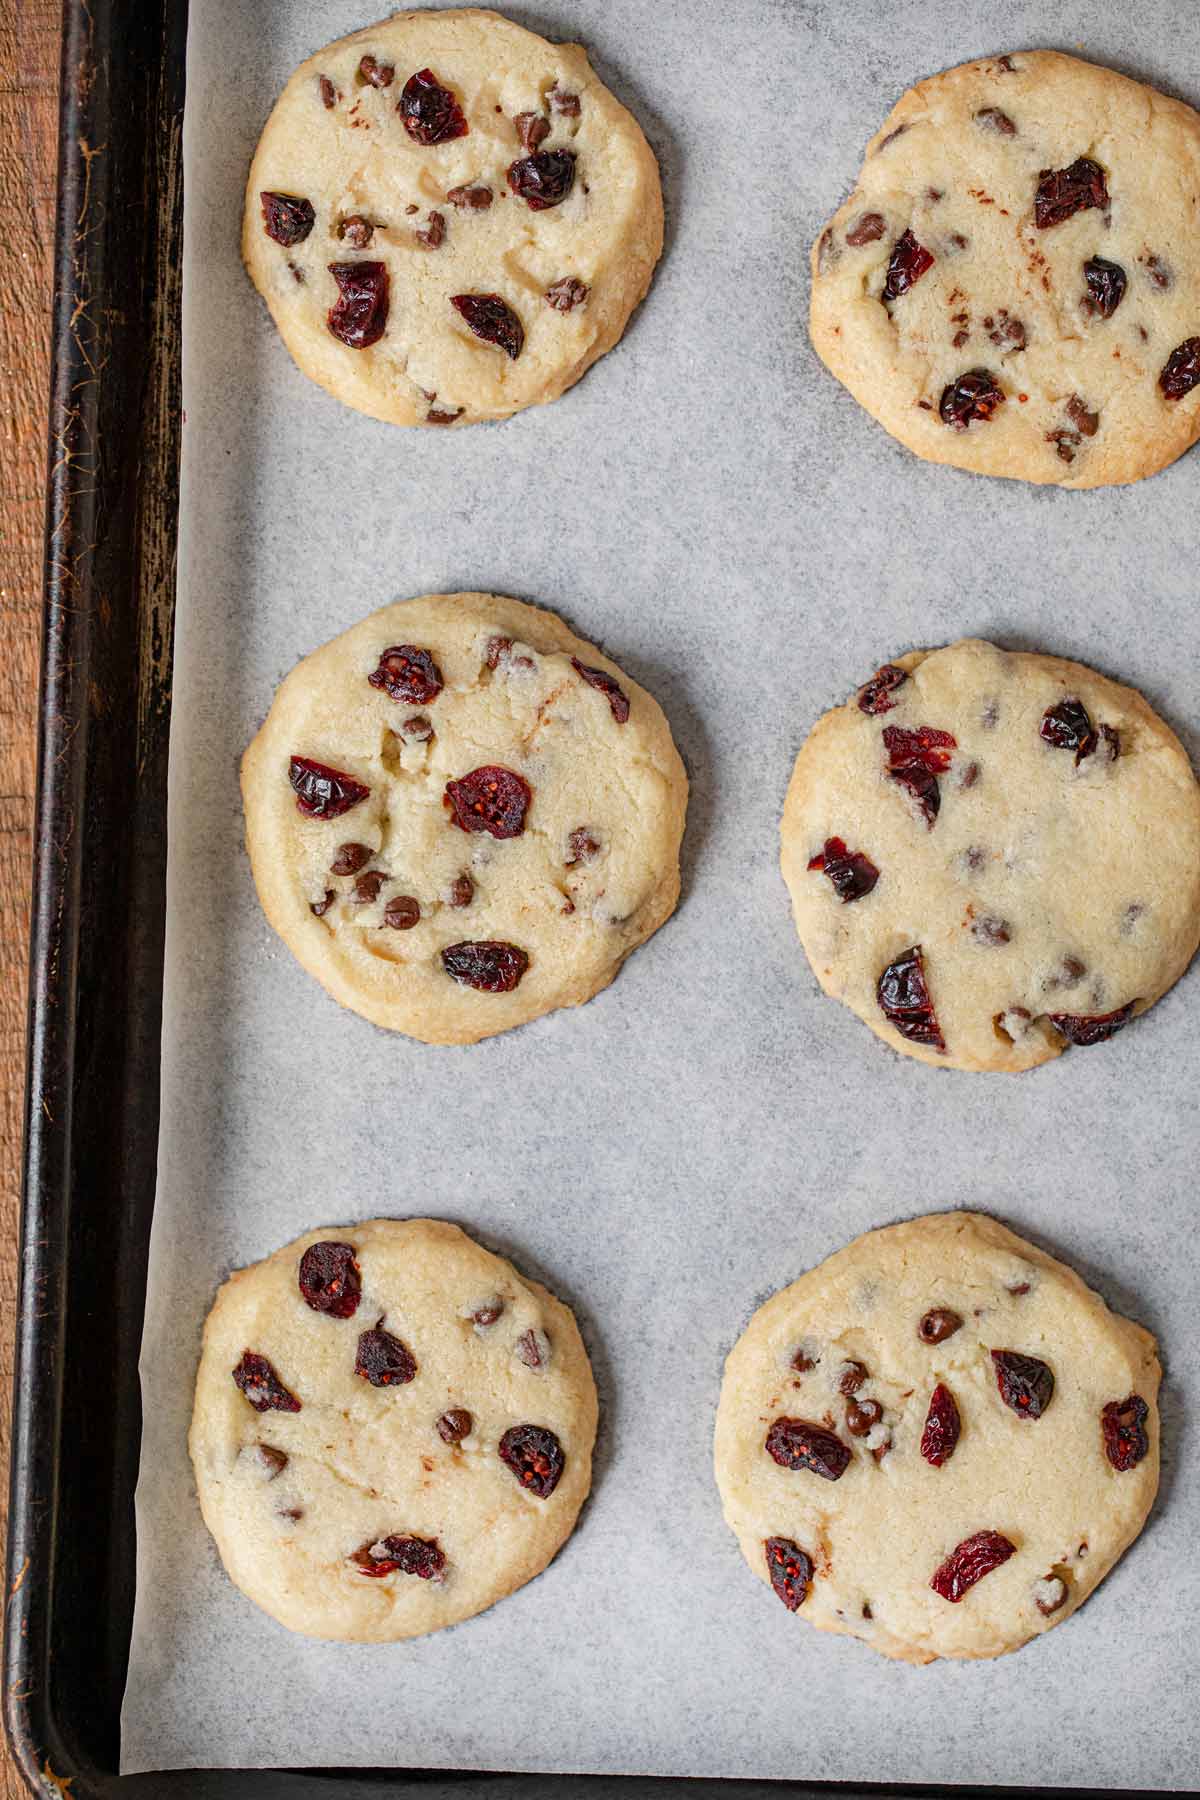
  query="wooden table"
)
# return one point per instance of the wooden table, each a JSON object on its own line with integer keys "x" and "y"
{"x": 29, "y": 46}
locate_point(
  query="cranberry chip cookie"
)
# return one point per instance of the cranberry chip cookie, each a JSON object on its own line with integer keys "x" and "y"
{"x": 392, "y": 1429}
{"x": 450, "y": 218}
{"x": 939, "y": 1441}
{"x": 992, "y": 856}
{"x": 1013, "y": 286}
{"x": 460, "y": 815}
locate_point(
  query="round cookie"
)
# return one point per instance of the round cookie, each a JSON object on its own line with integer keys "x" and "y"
{"x": 450, "y": 218}
{"x": 939, "y": 1441}
{"x": 460, "y": 815}
{"x": 992, "y": 855}
{"x": 392, "y": 1429}
{"x": 1014, "y": 288}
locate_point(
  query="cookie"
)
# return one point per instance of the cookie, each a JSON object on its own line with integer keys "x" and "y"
{"x": 1014, "y": 289}
{"x": 460, "y": 815}
{"x": 993, "y": 855}
{"x": 392, "y": 1430}
{"x": 939, "y": 1441}
{"x": 450, "y": 218}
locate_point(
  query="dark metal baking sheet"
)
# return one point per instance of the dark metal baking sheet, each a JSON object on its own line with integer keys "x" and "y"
{"x": 96, "y": 958}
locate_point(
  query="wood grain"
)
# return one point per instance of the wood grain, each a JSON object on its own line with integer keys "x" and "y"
{"x": 30, "y": 34}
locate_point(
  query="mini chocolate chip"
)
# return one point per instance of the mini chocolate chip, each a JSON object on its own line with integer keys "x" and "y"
{"x": 990, "y": 930}
{"x": 939, "y": 1323}
{"x": 329, "y": 93}
{"x": 432, "y": 236}
{"x": 802, "y": 1362}
{"x": 271, "y": 1462}
{"x": 402, "y": 912}
{"x": 958, "y": 240}
{"x": 419, "y": 728}
{"x": 475, "y": 199}
{"x": 356, "y": 231}
{"x": 1049, "y": 1594}
{"x": 851, "y": 1378}
{"x": 1018, "y": 1288}
{"x": 366, "y": 888}
{"x": 565, "y": 294}
{"x": 862, "y": 1416}
{"x": 438, "y": 417}
{"x": 1084, "y": 421}
{"x": 532, "y": 129}
{"x": 582, "y": 846}
{"x": 349, "y": 859}
{"x": 294, "y": 1513}
{"x": 455, "y": 1425}
{"x": 567, "y": 104}
{"x": 990, "y": 118}
{"x": 866, "y": 230}
{"x": 866, "y": 1610}
{"x": 462, "y": 890}
{"x": 320, "y": 907}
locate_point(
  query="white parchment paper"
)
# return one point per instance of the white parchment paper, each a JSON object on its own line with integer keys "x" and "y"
{"x": 713, "y": 507}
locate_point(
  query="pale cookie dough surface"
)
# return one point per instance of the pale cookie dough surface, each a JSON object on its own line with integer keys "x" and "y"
{"x": 1043, "y": 886}
{"x": 876, "y": 1535}
{"x": 958, "y": 164}
{"x": 355, "y": 160}
{"x": 359, "y": 1463}
{"x": 594, "y": 869}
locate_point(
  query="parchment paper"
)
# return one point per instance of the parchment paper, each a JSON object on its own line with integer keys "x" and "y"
{"x": 713, "y": 507}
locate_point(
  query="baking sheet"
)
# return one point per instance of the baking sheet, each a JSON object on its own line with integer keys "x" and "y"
{"x": 713, "y": 507}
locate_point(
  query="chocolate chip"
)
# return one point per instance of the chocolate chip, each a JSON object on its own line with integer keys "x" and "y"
{"x": 379, "y": 75}
{"x": 565, "y": 294}
{"x": 349, "y": 859}
{"x": 329, "y": 94}
{"x": 802, "y": 1362}
{"x": 270, "y": 1462}
{"x": 455, "y": 1425}
{"x": 862, "y": 1416}
{"x": 1084, "y": 421}
{"x": 851, "y": 1377}
{"x": 320, "y": 907}
{"x": 939, "y": 1323}
{"x": 866, "y": 229}
{"x": 582, "y": 846}
{"x": 437, "y": 416}
{"x": 366, "y": 888}
{"x": 432, "y": 236}
{"x": 1049, "y": 1594}
{"x": 402, "y": 912}
{"x": 990, "y": 118}
{"x": 419, "y": 728}
{"x": 356, "y": 231}
{"x": 532, "y": 129}
{"x": 462, "y": 890}
{"x": 475, "y": 199}
{"x": 990, "y": 930}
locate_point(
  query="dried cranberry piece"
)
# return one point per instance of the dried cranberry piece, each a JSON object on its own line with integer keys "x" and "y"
{"x": 617, "y": 699}
{"x": 565, "y": 294}
{"x": 454, "y": 1425}
{"x": 564, "y": 103}
{"x": 915, "y": 759}
{"x": 1066, "y": 726}
{"x": 939, "y": 1440}
{"x": 1105, "y": 284}
{"x": 583, "y": 847}
{"x": 490, "y": 799}
{"x": 491, "y": 318}
{"x": 533, "y": 129}
{"x": 288, "y": 218}
{"x": 431, "y": 113}
{"x": 851, "y": 873}
{"x": 867, "y": 229}
{"x": 543, "y": 179}
{"x": 903, "y": 997}
{"x": 974, "y": 395}
{"x": 1026, "y": 1383}
{"x": 1097, "y": 1028}
{"x": 329, "y": 94}
{"x": 431, "y": 237}
{"x": 402, "y": 1556}
{"x": 356, "y": 231}
{"x": 906, "y": 265}
{"x": 969, "y": 1562}
{"x": 322, "y": 792}
{"x": 262, "y": 1387}
{"x": 798, "y": 1444}
{"x": 875, "y": 696}
{"x": 939, "y": 1324}
{"x": 535, "y": 1457}
{"x": 1181, "y": 371}
{"x": 408, "y": 673}
{"x": 791, "y": 1571}
{"x": 474, "y": 199}
{"x": 383, "y": 1360}
{"x": 462, "y": 890}
{"x": 990, "y": 118}
{"x": 358, "y": 317}
{"x": 1063, "y": 192}
{"x": 1125, "y": 1440}
{"x": 330, "y": 1279}
{"x": 490, "y": 967}
{"x": 376, "y": 74}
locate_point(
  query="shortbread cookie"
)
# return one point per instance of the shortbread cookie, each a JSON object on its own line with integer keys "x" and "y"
{"x": 460, "y": 815}
{"x": 940, "y": 1441}
{"x": 1014, "y": 284}
{"x": 993, "y": 855}
{"x": 392, "y": 1429}
{"x": 450, "y": 218}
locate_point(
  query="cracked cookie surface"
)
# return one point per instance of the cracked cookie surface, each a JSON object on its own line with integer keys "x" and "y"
{"x": 953, "y": 1521}
{"x": 391, "y": 1491}
{"x": 1013, "y": 287}
{"x": 450, "y": 218}
{"x": 460, "y": 816}
{"x": 993, "y": 855}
